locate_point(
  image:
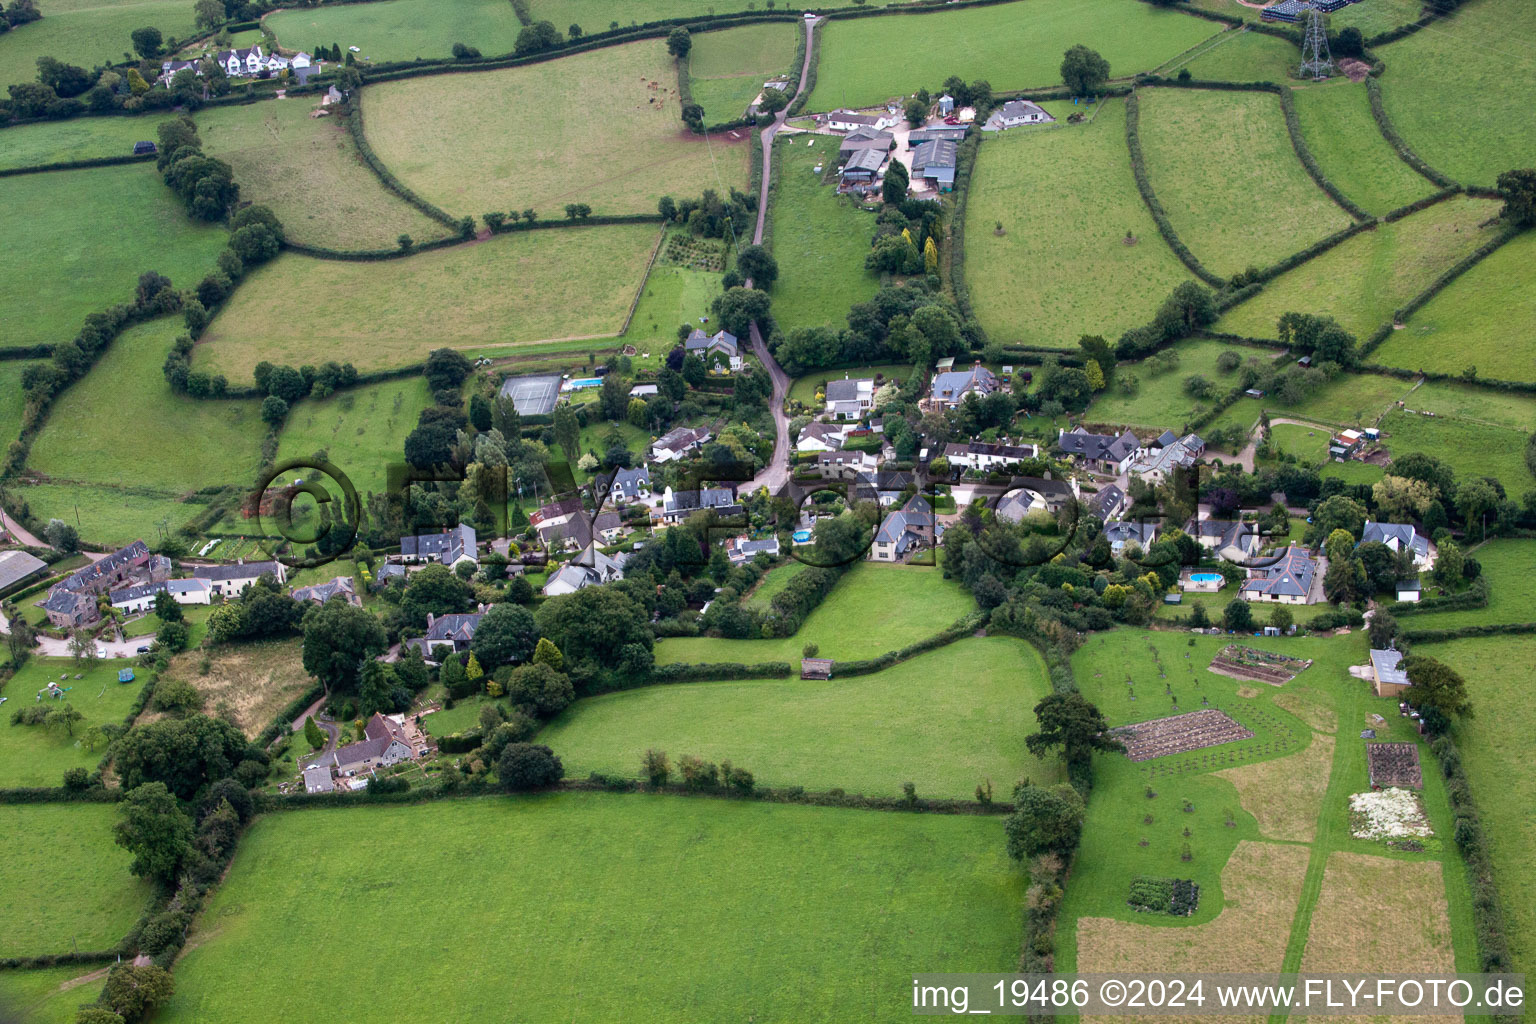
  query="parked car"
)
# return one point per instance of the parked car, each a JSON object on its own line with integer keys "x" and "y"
{"x": 142, "y": 650}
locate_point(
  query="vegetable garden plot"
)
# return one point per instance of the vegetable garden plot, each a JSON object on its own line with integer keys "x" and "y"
{"x": 1179, "y": 734}
{"x": 1394, "y": 764}
{"x": 1241, "y": 662}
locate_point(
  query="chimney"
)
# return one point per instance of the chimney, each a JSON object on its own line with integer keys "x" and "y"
{"x": 430, "y": 619}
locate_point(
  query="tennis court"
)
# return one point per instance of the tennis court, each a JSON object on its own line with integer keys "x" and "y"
{"x": 532, "y": 396}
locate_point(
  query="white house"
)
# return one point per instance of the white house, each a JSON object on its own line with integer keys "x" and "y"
{"x": 231, "y": 580}
{"x": 820, "y": 437}
{"x": 630, "y": 485}
{"x": 850, "y": 120}
{"x": 449, "y": 547}
{"x": 983, "y": 457}
{"x": 1399, "y": 537}
{"x": 850, "y": 398}
{"x": 1017, "y": 112}
{"x": 136, "y": 600}
{"x": 707, "y": 346}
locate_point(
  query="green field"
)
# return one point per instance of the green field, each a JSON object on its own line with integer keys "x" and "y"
{"x": 72, "y": 254}
{"x": 515, "y": 288}
{"x": 83, "y": 138}
{"x": 672, "y": 296}
{"x": 1502, "y": 780}
{"x": 186, "y": 444}
{"x": 873, "y": 609}
{"x": 109, "y": 515}
{"x": 400, "y": 29}
{"x": 1370, "y": 18}
{"x": 820, "y": 239}
{"x": 879, "y": 891}
{"x": 1159, "y": 401}
{"x": 35, "y": 757}
{"x": 1466, "y": 118}
{"x": 1247, "y": 57}
{"x": 777, "y": 579}
{"x": 727, "y": 69}
{"x": 527, "y": 137}
{"x": 87, "y": 33}
{"x": 1362, "y": 281}
{"x": 1470, "y": 448}
{"x": 362, "y": 431}
{"x": 865, "y": 734}
{"x": 1337, "y": 124}
{"x": 66, "y": 883}
{"x": 1500, "y": 408}
{"x": 1478, "y": 320}
{"x": 1013, "y": 46}
{"x": 41, "y": 997}
{"x": 598, "y": 15}
{"x": 1223, "y": 167}
{"x": 1083, "y": 278}
{"x": 12, "y": 399}
{"x": 308, "y": 171}
{"x": 1512, "y": 590}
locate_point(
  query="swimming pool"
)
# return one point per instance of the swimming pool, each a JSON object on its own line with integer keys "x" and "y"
{"x": 1205, "y": 577}
{"x": 583, "y": 382}
{"x": 802, "y": 536}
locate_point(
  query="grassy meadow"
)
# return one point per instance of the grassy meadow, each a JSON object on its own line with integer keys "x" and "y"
{"x": 1245, "y": 57}
{"x": 185, "y": 445}
{"x": 1460, "y": 401}
{"x": 1083, "y": 278}
{"x": 1223, "y": 167}
{"x": 1506, "y": 563}
{"x": 87, "y": 33}
{"x": 777, "y": 579}
{"x": 1502, "y": 780}
{"x": 79, "y": 248}
{"x": 820, "y": 239}
{"x": 82, "y": 138}
{"x": 66, "y": 883}
{"x": 1369, "y": 18}
{"x": 873, "y": 609}
{"x": 670, "y": 297}
{"x": 308, "y": 171}
{"x": 526, "y": 137}
{"x": 12, "y": 399}
{"x": 400, "y": 29}
{"x": 1159, "y": 401}
{"x": 1466, "y": 118}
{"x": 598, "y": 15}
{"x": 110, "y": 515}
{"x": 48, "y": 996}
{"x": 362, "y": 431}
{"x": 1479, "y": 320}
{"x": 727, "y": 69}
{"x": 1337, "y": 124}
{"x": 865, "y": 734}
{"x": 249, "y": 682}
{"x": 940, "y": 887}
{"x": 32, "y": 756}
{"x": 1363, "y": 281}
{"x": 1469, "y": 447}
{"x": 1013, "y": 46}
{"x": 514, "y": 288}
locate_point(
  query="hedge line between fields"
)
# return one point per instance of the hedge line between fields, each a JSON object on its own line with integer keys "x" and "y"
{"x": 808, "y": 86}
{"x": 26, "y": 352}
{"x": 1304, "y": 154}
{"x": 385, "y": 175}
{"x": 59, "y": 795}
{"x": 520, "y": 8}
{"x": 1475, "y": 596}
{"x": 75, "y": 165}
{"x": 1316, "y": 249}
{"x": 965, "y": 167}
{"x": 958, "y": 630}
{"x": 1154, "y": 207}
{"x": 37, "y": 963}
{"x": 1435, "y": 636}
{"x": 1433, "y": 198}
{"x": 681, "y": 672}
{"x": 1396, "y": 141}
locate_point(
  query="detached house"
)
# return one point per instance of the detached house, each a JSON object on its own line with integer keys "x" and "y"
{"x": 231, "y": 580}
{"x": 1228, "y": 539}
{"x": 851, "y": 121}
{"x": 630, "y": 485}
{"x": 587, "y": 569}
{"x": 1034, "y": 494}
{"x": 904, "y": 532}
{"x": 386, "y": 741}
{"x": 846, "y": 465}
{"x": 983, "y": 457}
{"x": 677, "y": 442}
{"x": 1101, "y": 453}
{"x": 850, "y": 398}
{"x": 1017, "y": 112}
{"x": 449, "y": 547}
{"x": 678, "y": 506}
{"x": 740, "y": 550}
{"x": 820, "y": 437}
{"x": 1399, "y": 537}
{"x": 1167, "y": 455}
{"x": 337, "y": 586}
{"x": 1120, "y": 533}
{"x": 455, "y": 631}
{"x": 1287, "y": 581}
{"x": 708, "y": 346}
{"x": 951, "y": 386}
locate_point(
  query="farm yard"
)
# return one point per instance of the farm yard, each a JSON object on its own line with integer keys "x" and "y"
{"x": 1084, "y": 278}
{"x": 488, "y": 293}
{"x": 727, "y": 69}
{"x": 1209, "y": 154}
{"x": 958, "y": 908}
{"x": 864, "y": 734}
{"x": 440, "y": 136}
{"x": 1337, "y": 124}
{"x": 1013, "y": 46}
{"x": 400, "y": 29}
{"x": 308, "y": 171}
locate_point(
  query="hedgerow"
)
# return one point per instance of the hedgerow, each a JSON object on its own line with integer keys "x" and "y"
{"x": 394, "y": 184}
{"x": 1396, "y": 141}
{"x": 1304, "y": 154}
{"x": 1154, "y": 207}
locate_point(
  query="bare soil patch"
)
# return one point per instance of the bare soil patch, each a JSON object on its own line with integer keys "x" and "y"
{"x": 1179, "y": 734}
{"x": 1354, "y": 70}
{"x": 1286, "y": 794}
{"x": 1394, "y": 764}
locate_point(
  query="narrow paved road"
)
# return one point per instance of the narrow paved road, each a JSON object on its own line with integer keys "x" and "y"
{"x": 19, "y": 531}
{"x": 775, "y": 475}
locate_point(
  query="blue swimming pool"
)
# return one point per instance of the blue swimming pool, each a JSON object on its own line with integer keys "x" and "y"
{"x": 584, "y": 382}
{"x": 802, "y": 536}
{"x": 1205, "y": 577}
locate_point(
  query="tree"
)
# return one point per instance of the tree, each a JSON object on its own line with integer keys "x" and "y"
{"x": 758, "y": 265}
{"x": 167, "y": 609}
{"x": 1436, "y": 686}
{"x": 146, "y": 41}
{"x": 656, "y": 767}
{"x": 153, "y": 827}
{"x": 19, "y": 640}
{"x": 1519, "y": 191}
{"x": 1337, "y": 513}
{"x": 1237, "y": 617}
{"x": 916, "y": 112}
{"x": 1084, "y": 71}
{"x": 62, "y": 719}
{"x": 208, "y": 13}
{"x": 313, "y": 734}
{"x": 61, "y": 536}
{"x": 338, "y": 639}
{"x": 536, "y": 38}
{"x": 1449, "y": 562}
{"x": 679, "y": 42}
{"x": 1475, "y": 498}
{"x": 82, "y": 647}
{"x": 567, "y": 431}
{"x": 1044, "y": 821}
{"x": 737, "y": 308}
{"x": 506, "y": 635}
{"x": 1399, "y": 499}
{"x": 893, "y": 189}
{"x": 273, "y": 411}
{"x": 1383, "y": 630}
{"x": 132, "y": 991}
{"x": 434, "y": 590}
{"x": 446, "y": 368}
{"x": 1281, "y": 618}
{"x": 524, "y": 766}
{"x": 546, "y": 653}
{"x": 186, "y": 754}
{"x": 1069, "y": 721}
{"x": 594, "y": 625}
{"x": 546, "y": 690}
{"x": 773, "y": 101}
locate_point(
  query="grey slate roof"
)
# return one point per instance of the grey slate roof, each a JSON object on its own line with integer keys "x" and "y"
{"x": 1098, "y": 447}
{"x": 1388, "y": 666}
{"x": 449, "y": 545}
{"x": 172, "y": 587}
{"x": 16, "y": 566}
{"x": 88, "y": 575}
{"x": 900, "y": 527}
{"x": 628, "y": 482}
{"x": 1400, "y": 536}
{"x": 238, "y": 571}
{"x": 952, "y": 385}
{"x": 1291, "y": 576}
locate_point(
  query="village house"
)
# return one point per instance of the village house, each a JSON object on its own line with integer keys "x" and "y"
{"x": 820, "y": 437}
{"x": 72, "y": 601}
{"x": 708, "y": 346}
{"x": 1101, "y": 453}
{"x": 1019, "y": 112}
{"x": 1387, "y": 676}
{"x": 677, "y": 442}
{"x": 1287, "y": 581}
{"x": 387, "y": 740}
{"x": 68, "y": 609}
{"x": 1119, "y": 533}
{"x": 630, "y": 485}
{"x": 456, "y": 631}
{"x": 1228, "y": 539}
{"x": 678, "y": 506}
{"x": 741, "y": 550}
{"x": 336, "y": 586}
{"x": 247, "y": 63}
{"x": 951, "y": 386}
{"x": 1399, "y": 537}
{"x": 904, "y": 532}
{"x": 852, "y": 121}
{"x": 1106, "y": 503}
{"x": 231, "y": 580}
{"x": 846, "y": 465}
{"x": 450, "y": 547}
{"x": 1033, "y": 494}
{"x": 849, "y": 398}
{"x": 140, "y": 599}
{"x": 1166, "y": 455}
{"x": 587, "y": 569}
{"x": 982, "y": 457}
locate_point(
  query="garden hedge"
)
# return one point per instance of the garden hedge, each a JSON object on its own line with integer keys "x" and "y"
{"x": 959, "y": 630}
{"x": 1154, "y": 207}
{"x": 1388, "y": 132}
{"x": 1475, "y": 596}
{"x": 1435, "y": 636}
{"x": 281, "y": 722}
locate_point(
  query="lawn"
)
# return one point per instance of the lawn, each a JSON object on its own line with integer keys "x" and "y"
{"x": 1013, "y": 46}
{"x": 1159, "y": 401}
{"x": 1468, "y": 447}
{"x": 35, "y": 757}
{"x": 727, "y": 69}
{"x": 1480, "y": 319}
{"x": 48, "y": 996}
{"x": 1502, "y": 780}
{"x": 865, "y": 734}
{"x": 820, "y": 239}
{"x": 872, "y": 609}
{"x": 109, "y": 515}
{"x": 87, "y": 33}
{"x": 362, "y": 431}
{"x": 1223, "y": 167}
{"x": 1512, "y": 590}
{"x": 1466, "y": 117}
{"x": 65, "y": 882}
{"x": 248, "y": 683}
{"x": 1363, "y": 281}
{"x": 449, "y": 136}
{"x": 74, "y": 253}
{"x": 672, "y": 296}
{"x": 510, "y": 290}
{"x": 1245, "y": 57}
{"x": 1084, "y": 278}
{"x": 308, "y": 171}
{"x": 82, "y": 138}
{"x": 187, "y": 443}
{"x": 880, "y": 892}
{"x": 1337, "y": 124}
{"x": 400, "y": 29}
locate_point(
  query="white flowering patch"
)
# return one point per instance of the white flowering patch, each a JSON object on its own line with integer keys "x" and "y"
{"x": 1388, "y": 814}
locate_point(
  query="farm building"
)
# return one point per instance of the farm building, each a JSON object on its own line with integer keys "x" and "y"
{"x": 815, "y": 668}
{"x": 862, "y": 171}
{"x": 935, "y": 162}
{"x": 1387, "y": 676}
{"x": 16, "y": 566}
{"x": 864, "y": 139}
{"x": 136, "y": 600}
